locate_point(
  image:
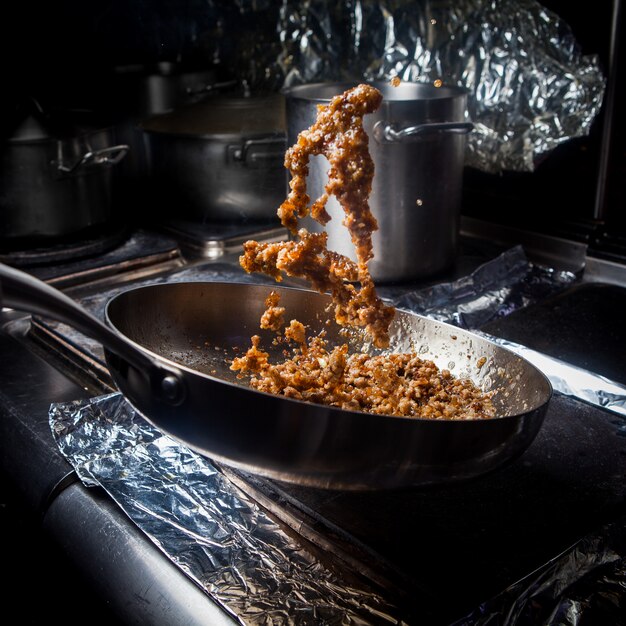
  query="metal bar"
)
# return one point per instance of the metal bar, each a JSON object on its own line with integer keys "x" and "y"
{"x": 602, "y": 209}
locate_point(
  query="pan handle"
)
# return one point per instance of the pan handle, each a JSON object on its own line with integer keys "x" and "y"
{"x": 24, "y": 292}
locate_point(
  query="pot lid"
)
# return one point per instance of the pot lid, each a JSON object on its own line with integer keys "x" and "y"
{"x": 224, "y": 115}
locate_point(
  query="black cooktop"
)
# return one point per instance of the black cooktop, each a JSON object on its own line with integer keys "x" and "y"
{"x": 584, "y": 325}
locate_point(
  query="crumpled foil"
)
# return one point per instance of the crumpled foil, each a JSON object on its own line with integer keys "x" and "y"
{"x": 571, "y": 380}
{"x": 565, "y": 591}
{"x": 530, "y": 87}
{"x": 495, "y": 289}
{"x": 228, "y": 545}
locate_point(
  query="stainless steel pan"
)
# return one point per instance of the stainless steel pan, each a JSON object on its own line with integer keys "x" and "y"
{"x": 168, "y": 348}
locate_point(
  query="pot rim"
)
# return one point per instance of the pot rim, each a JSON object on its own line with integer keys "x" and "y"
{"x": 404, "y": 93}
{"x": 230, "y": 137}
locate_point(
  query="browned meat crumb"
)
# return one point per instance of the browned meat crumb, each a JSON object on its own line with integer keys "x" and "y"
{"x": 272, "y": 318}
{"x": 296, "y": 331}
{"x": 255, "y": 359}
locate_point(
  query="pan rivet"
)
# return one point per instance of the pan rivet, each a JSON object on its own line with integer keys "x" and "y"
{"x": 171, "y": 388}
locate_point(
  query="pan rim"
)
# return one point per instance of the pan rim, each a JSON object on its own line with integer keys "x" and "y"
{"x": 546, "y": 395}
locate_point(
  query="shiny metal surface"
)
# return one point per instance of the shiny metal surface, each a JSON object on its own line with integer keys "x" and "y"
{"x": 416, "y": 193}
{"x": 74, "y": 189}
{"x": 218, "y": 160}
{"x": 29, "y": 456}
{"x": 170, "y": 356}
{"x": 531, "y": 84}
{"x": 196, "y": 325}
{"x": 24, "y": 292}
{"x": 140, "y": 584}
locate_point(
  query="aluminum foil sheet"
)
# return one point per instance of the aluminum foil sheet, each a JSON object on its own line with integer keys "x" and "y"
{"x": 226, "y": 543}
{"x": 258, "y": 573}
{"x": 573, "y": 381}
{"x": 530, "y": 87}
{"x": 495, "y": 289}
{"x": 585, "y": 585}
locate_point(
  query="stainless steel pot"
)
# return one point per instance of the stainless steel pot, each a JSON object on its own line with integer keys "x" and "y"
{"x": 56, "y": 183}
{"x": 219, "y": 160}
{"x": 152, "y": 90}
{"x": 144, "y": 91}
{"x": 417, "y": 142}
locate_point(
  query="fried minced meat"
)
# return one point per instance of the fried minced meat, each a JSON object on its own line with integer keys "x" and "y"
{"x": 338, "y": 134}
{"x": 391, "y": 384}
{"x": 325, "y": 270}
{"x": 272, "y": 318}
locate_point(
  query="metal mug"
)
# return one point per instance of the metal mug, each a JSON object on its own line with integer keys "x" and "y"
{"x": 417, "y": 141}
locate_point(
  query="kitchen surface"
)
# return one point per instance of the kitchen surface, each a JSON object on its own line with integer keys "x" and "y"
{"x": 566, "y": 489}
{"x": 507, "y": 229}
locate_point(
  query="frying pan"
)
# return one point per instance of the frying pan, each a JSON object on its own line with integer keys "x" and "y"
{"x": 168, "y": 347}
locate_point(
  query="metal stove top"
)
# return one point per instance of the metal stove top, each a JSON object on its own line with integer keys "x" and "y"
{"x": 215, "y": 240}
{"x": 438, "y": 555}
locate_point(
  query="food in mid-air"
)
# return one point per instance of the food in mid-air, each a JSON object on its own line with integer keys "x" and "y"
{"x": 311, "y": 369}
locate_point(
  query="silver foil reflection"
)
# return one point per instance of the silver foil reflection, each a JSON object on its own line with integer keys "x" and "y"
{"x": 494, "y": 289}
{"x": 530, "y": 87}
{"x": 221, "y": 539}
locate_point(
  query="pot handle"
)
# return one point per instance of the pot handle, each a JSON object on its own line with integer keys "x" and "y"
{"x": 260, "y": 152}
{"x": 385, "y": 132}
{"x": 105, "y": 157}
{"x": 24, "y": 292}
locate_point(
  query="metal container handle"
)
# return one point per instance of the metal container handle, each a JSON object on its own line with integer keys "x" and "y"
{"x": 23, "y": 292}
{"x": 103, "y": 157}
{"x": 386, "y": 132}
{"x": 260, "y": 152}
